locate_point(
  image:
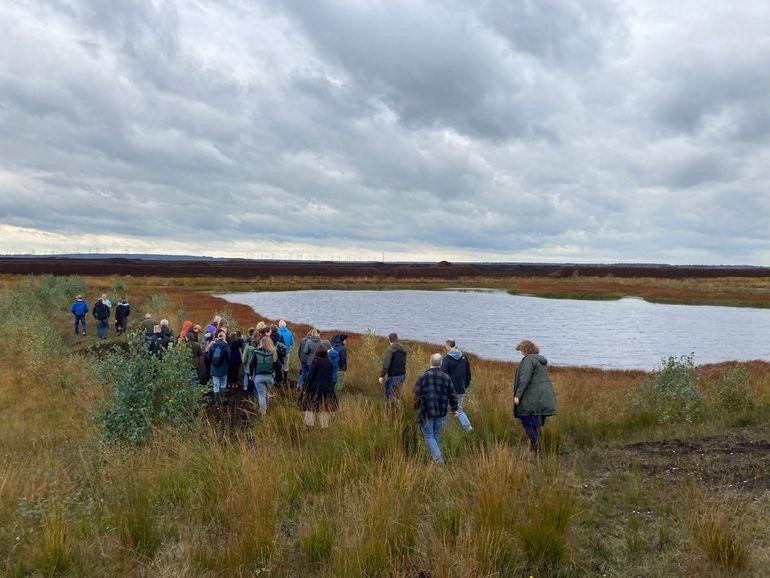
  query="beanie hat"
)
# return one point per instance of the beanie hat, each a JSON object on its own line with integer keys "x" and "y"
{"x": 326, "y": 343}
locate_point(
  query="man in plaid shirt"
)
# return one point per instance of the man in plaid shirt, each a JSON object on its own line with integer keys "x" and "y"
{"x": 433, "y": 394}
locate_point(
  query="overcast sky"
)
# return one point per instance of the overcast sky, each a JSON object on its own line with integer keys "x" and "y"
{"x": 537, "y": 130}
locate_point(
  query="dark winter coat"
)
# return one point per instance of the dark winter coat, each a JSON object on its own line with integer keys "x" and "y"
{"x": 122, "y": 310}
{"x": 433, "y": 394}
{"x": 394, "y": 360}
{"x": 459, "y": 369}
{"x": 149, "y": 325}
{"x": 220, "y": 371}
{"x": 318, "y": 394}
{"x": 101, "y": 311}
{"x": 533, "y": 386}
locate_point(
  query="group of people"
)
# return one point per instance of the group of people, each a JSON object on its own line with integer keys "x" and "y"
{"x": 260, "y": 361}
{"x": 101, "y": 311}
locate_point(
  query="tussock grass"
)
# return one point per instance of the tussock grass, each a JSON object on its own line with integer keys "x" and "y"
{"x": 363, "y": 498}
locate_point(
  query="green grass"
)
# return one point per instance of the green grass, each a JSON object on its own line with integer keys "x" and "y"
{"x": 363, "y": 498}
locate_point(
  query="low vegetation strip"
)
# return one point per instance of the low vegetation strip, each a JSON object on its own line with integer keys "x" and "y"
{"x": 197, "y": 497}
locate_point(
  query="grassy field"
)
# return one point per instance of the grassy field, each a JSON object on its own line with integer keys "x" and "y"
{"x": 626, "y": 487}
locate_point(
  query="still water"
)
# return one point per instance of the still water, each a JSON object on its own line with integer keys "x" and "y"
{"x": 625, "y": 334}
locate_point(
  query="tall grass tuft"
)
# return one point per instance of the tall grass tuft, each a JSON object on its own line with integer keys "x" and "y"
{"x": 54, "y": 555}
{"x": 719, "y": 528}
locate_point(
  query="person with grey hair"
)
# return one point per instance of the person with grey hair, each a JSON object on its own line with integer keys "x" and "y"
{"x": 166, "y": 335}
{"x": 457, "y": 366}
{"x": 433, "y": 394}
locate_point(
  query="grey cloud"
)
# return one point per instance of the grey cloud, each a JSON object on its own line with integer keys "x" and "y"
{"x": 545, "y": 129}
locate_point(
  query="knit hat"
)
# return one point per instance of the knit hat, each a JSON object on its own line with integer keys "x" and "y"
{"x": 326, "y": 343}
{"x": 210, "y": 328}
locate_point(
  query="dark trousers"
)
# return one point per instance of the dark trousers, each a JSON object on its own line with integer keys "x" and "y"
{"x": 121, "y": 325}
{"x": 532, "y": 425}
{"x": 78, "y": 320}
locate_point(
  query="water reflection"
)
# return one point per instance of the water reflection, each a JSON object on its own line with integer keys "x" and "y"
{"x": 625, "y": 334}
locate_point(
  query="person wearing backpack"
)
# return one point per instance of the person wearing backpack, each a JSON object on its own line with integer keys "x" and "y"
{"x": 79, "y": 309}
{"x": 219, "y": 355}
{"x": 248, "y": 349}
{"x": 261, "y": 368}
{"x": 101, "y": 313}
{"x": 122, "y": 311}
{"x": 236, "y": 343}
{"x": 307, "y": 348}
{"x": 279, "y": 371}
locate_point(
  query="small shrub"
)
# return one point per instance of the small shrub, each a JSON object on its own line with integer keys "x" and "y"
{"x": 671, "y": 392}
{"x": 146, "y": 391}
{"x": 734, "y": 391}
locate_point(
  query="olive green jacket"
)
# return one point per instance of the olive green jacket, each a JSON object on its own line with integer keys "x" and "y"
{"x": 533, "y": 387}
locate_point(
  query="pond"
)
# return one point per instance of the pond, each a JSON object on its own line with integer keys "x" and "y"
{"x": 626, "y": 334}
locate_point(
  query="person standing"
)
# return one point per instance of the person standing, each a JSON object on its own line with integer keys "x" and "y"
{"x": 318, "y": 397}
{"x": 102, "y": 315}
{"x": 219, "y": 356}
{"x": 393, "y": 374}
{"x": 338, "y": 343}
{"x": 248, "y": 349}
{"x": 457, "y": 366}
{"x": 79, "y": 308}
{"x": 149, "y": 324}
{"x": 261, "y": 369}
{"x": 334, "y": 357}
{"x": 288, "y": 341}
{"x": 282, "y": 353}
{"x": 307, "y": 349}
{"x": 107, "y": 302}
{"x": 122, "y": 311}
{"x": 236, "y": 343}
{"x": 533, "y": 394}
{"x": 433, "y": 394}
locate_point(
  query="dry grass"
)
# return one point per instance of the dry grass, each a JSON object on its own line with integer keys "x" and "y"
{"x": 361, "y": 499}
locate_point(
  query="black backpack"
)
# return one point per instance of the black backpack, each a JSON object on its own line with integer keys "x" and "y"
{"x": 217, "y": 358}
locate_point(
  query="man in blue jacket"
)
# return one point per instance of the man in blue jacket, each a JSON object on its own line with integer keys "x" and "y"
{"x": 79, "y": 309}
{"x": 288, "y": 341}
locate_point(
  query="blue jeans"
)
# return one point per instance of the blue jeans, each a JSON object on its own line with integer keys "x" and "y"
{"x": 532, "y": 425}
{"x": 78, "y": 320}
{"x": 393, "y": 387}
{"x": 101, "y": 327}
{"x": 302, "y": 373}
{"x": 461, "y": 417}
{"x": 431, "y": 431}
{"x": 219, "y": 382}
{"x": 260, "y": 385}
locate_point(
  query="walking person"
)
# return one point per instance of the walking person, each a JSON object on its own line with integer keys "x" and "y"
{"x": 122, "y": 311}
{"x": 279, "y": 371}
{"x": 79, "y": 308}
{"x": 218, "y": 355}
{"x": 288, "y": 341}
{"x": 307, "y": 349}
{"x": 318, "y": 397}
{"x": 149, "y": 324}
{"x": 457, "y": 366}
{"x": 338, "y": 343}
{"x": 533, "y": 394}
{"x": 261, "y": 369}
{"x": 433, "y": 395}
{"x": 102, "y": 315}
{"x": 393, "y": 374}
{"x": 236, "y": 343}
{"x": 248, "y": 349}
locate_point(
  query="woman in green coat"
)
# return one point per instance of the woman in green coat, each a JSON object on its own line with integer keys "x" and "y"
{"x": 533, "y": 395}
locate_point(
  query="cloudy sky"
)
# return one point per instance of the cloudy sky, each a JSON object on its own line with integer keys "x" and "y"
{"x": 537, "y": 130}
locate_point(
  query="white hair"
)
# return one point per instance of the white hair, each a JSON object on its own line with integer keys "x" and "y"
{"x": 164, "y": 322}
{"x": 435, "y": 360}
